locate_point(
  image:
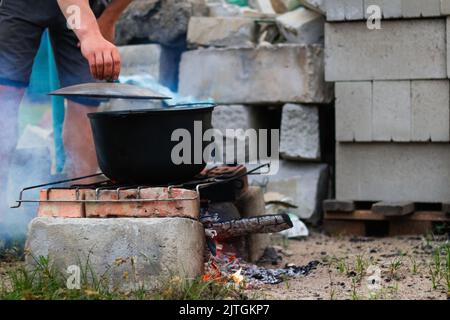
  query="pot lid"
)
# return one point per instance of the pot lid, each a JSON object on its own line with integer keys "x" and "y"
{"x": 109, "y": 90}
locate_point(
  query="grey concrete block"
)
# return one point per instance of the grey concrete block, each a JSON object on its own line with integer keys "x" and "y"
{"x": 392, "y": 209}
{"x": 302, "y": 26}
{"x": 421, "y": 8}
{"x": 141, "y": 59}
{"x": 354, "y": 111}
{"x": 282, "y": 73}
{"x": 221, "y": 32}
{"x": 430, "y": 117}
{"x": 151, "y": 59}
{"x": 152, "y": 249}
{"x": 445, "y": 7}
{"x": 393, "y": 172}
{"x": 353, "y": 52}
{"x": 344, "y": 10}
{"x": 391, "y": 111}
{"x": 300, "y": 133}
{"x": 305, "y": 183}
{"x": 338, "y": 206}
{"x": 316, "y": 5}
{"x": 389, "y": 8}
{"x": 448, "y": 46}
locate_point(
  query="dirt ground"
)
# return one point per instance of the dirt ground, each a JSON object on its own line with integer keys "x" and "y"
{"x": 402, "y": 264}
{"x": 402, "y": 267}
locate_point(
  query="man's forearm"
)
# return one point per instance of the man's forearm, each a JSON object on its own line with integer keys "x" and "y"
{"x": 87, "y": 21}
{"x": 114, "y": 10}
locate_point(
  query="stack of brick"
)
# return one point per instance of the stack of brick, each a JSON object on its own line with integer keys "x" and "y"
{"x": 392, "y": 99}
{"x": 264, "y": 66}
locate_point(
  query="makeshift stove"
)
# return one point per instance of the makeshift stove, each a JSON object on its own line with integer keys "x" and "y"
{"x": 217, "y": 207}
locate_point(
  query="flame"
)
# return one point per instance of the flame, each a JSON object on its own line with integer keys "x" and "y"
{"x": 237, "y": 277}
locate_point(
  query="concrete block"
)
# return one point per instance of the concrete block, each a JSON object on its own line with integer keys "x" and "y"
{"x": 445, "y": 7}
{"x": 448, "y": 46}
{"x": 305, "y": 183}
{"x": 282, "y": 73}
{"x": 264, "y": 6}
{"x": 300, "y": 133}
{"x": 353, "y": 52}
{"x": 393, "y": 172}
{"x": 389, "y": 8}
{"x": 344, "y": 10}
{"x": 302, "y": 26}
{"x": 223, "y": 9}
{"x": 283, "y": 6}
{"x": 221, "y": 32}
{"x": 251, "y": 204}
{"x": 354, "y": 111}
{"x": 163, "y": 22}
{"x": 430, "y": 118}
{"x": 149, "y": 250}
{"x": 391, "y": 111}
{"x": 392, "y": 209}
{"x": 316, "y": 5}
{"x": 151, "y": 59}
{"x": 420, "y": 8}
{"x": 338, "y": 206}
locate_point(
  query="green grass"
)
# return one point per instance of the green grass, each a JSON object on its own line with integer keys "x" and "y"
{"x": 439, "y": 268}
{"x": 44, "y": 282}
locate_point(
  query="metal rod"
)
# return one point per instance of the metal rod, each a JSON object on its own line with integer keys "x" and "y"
{"x": 19, "y": 202}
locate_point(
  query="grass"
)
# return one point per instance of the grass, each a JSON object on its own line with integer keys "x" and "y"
{"x": 45, "y": 282}
{"x": 439, "y": 268}
{"x": 12, "y": 249}
{"x": 394, "y": 267}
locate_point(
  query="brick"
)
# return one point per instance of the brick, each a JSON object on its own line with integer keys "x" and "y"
{"x": 389, "y": 8}
{"x": 430, "y": 110}
{"x": 393, "y": 208}
{"x": 445, "y": 7}
{"x": 184, "y": 203}
{"x": 149, "y": 251}
{"x": 391, "y": 113}
{"x": 420, "y": 8}
{"x": 354, "y": 111}
{"x": 300, "y": 133}
{"x": 302, "y": 26}
{"x": 338, "y": 206}
{"x": 305, "y": 183}
{"x": 353, "y": 52}
{"x": 221, "y": 32}
{"x": 59, "y": 209}
{"x": 281, "y": 73}
{"x": 344, "y": 10}
{"x": 393, "y": 172}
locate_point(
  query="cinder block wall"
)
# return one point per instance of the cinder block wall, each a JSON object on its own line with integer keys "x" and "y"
{"x": 392, "y": 99}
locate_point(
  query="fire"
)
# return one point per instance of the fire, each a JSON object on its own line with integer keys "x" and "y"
{"x": 237, "y": 277}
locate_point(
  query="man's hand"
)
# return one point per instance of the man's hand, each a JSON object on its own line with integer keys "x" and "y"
{"x": 102, "y": 55}
{"x": 97, "y": 37}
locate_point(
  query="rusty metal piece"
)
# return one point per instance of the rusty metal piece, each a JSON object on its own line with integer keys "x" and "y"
{"x": 109, "y": 90}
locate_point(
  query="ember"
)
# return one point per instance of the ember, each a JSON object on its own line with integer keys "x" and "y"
{"x": 228, "y": 268}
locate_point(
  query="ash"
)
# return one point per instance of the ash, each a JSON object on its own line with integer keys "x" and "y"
{"x": 225, "y": 267}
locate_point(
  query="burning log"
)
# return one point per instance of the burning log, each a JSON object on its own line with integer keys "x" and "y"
{"x": 241, "y": 227}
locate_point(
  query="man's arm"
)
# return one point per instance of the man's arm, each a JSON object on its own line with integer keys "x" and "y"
{"x": 102, "y": 55}
{"x": 110, "y": 16}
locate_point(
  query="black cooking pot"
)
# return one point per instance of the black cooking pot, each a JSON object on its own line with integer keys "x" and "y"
{"x": 135, "y": 147}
